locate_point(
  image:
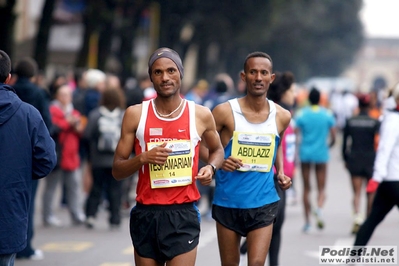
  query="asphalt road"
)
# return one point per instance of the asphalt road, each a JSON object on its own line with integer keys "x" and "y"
{"x": 77, "y": 245}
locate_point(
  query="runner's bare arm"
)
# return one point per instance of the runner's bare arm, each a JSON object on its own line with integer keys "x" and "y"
{"x": 283, "y": 180}
{"x": 225, "y": 126}
{"x": 124, "y": 164}
{"x": 207, "y": 129}
{"x": 224, "y": 120}
{"x": 283, "y": 119}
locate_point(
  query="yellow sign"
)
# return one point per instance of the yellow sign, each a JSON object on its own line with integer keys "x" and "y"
{"x": 255, "y": 150}
{"x": 177, "y": 170}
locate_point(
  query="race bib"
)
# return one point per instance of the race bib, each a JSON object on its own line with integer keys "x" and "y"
{"x": 177, "y": 170}
{"x": 255, "y": 150}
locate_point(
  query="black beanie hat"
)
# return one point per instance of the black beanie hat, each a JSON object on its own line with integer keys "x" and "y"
{"x": 168, "y": 53}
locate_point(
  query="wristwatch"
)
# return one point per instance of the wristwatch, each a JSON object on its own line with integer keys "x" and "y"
{"x": 213, "y": 168}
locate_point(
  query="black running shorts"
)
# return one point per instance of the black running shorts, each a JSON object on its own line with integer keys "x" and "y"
{"x": 161, "y": 232}
{"x": 242, "y": 221}
{"x": 361, "y": 166}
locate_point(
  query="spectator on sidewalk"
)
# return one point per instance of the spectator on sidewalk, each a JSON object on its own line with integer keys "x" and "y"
{"x": 26, "y": 152}
{"x": 95, "y": 81}
{"x": 103, "y": 132}
{"x": 198, "y": 91}
{"x": 26, "y": 71}
{"x": 67, "y": 123}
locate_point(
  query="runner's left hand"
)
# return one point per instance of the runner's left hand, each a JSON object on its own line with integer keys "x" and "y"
{"x": 284, "y": 181}
{"x": 205, "y": 175}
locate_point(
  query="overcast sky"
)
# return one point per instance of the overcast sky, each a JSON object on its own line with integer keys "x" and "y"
{"x": 381, "y": 18}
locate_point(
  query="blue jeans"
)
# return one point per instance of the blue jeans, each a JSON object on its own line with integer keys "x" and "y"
{"x": 7, "y": 259}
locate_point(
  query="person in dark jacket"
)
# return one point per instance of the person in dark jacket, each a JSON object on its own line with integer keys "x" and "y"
{"x": 27, "y": 152}
{"x": 103, "y": 132}
{"x": 27, "y": 91}
{"x": 95, "y": 82}
{"x": 26, "y": 69}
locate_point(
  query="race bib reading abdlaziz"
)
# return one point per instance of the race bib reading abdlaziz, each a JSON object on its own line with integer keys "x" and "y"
{"x": 255, "y": 150}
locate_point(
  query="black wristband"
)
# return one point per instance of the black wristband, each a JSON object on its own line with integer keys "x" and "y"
{"x": 213, "y": 168}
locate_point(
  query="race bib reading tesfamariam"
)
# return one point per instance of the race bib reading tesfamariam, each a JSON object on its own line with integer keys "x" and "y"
{"x": 255, "y": 150}
{"x": 177, "y": 170}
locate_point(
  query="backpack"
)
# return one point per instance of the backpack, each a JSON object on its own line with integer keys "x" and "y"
{"x": 109, "y": 129}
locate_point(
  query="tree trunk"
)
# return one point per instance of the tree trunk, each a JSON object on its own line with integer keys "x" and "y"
{"x": 104, "y": 44}
{"x": 131, "y": 17}
{"x": 7, "y": 19}
{"x": 46, "y": 21}
{"x": 90, "y": 20}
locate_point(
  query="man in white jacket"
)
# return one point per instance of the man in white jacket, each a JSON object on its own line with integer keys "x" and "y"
{"x": 386, "y": 173}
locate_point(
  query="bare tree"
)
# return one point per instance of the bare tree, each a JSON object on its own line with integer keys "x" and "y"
{"x": 46, "y": 21}
{"x": 7, "y": 19}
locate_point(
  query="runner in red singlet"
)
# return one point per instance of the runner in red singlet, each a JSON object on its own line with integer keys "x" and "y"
{"x": 165, "y": 134}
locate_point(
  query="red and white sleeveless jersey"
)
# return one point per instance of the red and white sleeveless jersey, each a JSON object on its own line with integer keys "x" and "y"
{"x": 173, "y": 182}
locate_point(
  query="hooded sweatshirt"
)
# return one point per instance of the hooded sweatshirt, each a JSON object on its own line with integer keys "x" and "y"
{"x": 26, "y": 151}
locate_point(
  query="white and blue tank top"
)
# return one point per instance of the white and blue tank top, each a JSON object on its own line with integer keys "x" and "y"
{"x": 252, "y": 186}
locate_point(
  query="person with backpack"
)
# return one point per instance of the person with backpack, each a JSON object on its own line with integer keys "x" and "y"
{"x": 102, "y": 133}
